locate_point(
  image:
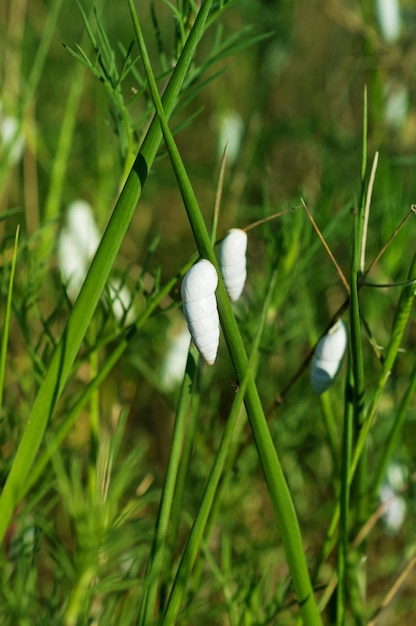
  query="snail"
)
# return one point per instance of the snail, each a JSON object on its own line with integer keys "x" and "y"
{"x": 232, "y": 260}
{"x": 77, "y": 244}
{"x": 200, "y": 308}
{"x": 328, "y": 356}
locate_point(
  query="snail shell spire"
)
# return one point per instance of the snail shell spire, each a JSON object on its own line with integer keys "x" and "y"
{"x": 232, "y": 260}
{"x": 200, "y": 308}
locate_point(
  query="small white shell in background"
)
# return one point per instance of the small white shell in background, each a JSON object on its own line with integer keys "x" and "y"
{"x": 230, "y": 134}
{"x": 232, "y": 260}
{"x": 200, "y": 308}
{"x": 173, "y": 367}
{"x": 77, "y": 244}
{"x": 394, "y": 504}
{"x": 328, "y": 356}
{"x": 395, "y": 509}
{"x": 389, "y": 19}
{"x": 11, "y": 138}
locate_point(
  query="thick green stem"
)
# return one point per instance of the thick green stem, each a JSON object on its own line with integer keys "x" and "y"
{"x": 278, "y": 489}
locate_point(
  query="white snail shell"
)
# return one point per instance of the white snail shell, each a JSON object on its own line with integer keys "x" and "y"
{"x": 232, "y": 260}
{"x": 200, "y": 308}
{"x": 328, "y": 356}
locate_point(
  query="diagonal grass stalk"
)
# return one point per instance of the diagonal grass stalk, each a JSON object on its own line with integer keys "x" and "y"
{"x": 226, "y": 450}
{"x": 184, "y": 467}
{"x": 76, "y": 327}
{"x": 278, "y": 489}
{"x": 192, "y": 427}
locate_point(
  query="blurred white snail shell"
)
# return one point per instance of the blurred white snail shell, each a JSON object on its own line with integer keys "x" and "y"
{"x": 77, "y": 244}
{"x": 232, "y": 260}
{"x": 200, "y": 308}
{"x": 328, "y": 356}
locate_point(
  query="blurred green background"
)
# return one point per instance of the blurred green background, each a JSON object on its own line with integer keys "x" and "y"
{"x": 297, "y": 96}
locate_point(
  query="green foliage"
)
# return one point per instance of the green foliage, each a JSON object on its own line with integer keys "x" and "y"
{"x": 132, "y": 493}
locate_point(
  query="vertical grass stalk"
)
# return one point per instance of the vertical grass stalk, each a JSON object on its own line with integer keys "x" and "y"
{"x": 7, "y": 315}
{"x": 155, "y": 564}
{"x": 344, "y": 526}
{"x": 359, "y": 486}
{"x": 181, "y": 483}
{"x": 94, "y": 415}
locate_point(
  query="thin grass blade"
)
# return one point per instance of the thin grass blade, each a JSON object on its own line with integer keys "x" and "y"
{"x": 7, "y": 316}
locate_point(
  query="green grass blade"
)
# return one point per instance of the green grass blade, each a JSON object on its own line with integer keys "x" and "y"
{"x": 183, "y": 474}
{"x": 107, "y": 58}
{"x": 393, "y": 437}
{"x": 32, "y": 81}
{"x": 41, "y": 54}
{"x": 92, "y": 289}
{"x": 358, "y": 497}
{"x": 87, "y": 27}
{"x": 400, "y": 321}
{"x": 7, "y": 315}
{"x": 357, "y": 363}
{"x": 365, "y": 135}
{"x": 155, "y": 563}
{"x": 343, "y": 543}
{"x": 279, "y": 493}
